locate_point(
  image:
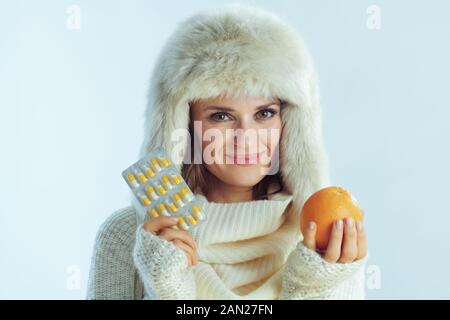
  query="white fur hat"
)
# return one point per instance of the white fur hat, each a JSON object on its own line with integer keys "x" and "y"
{"x": 240, "y": 50}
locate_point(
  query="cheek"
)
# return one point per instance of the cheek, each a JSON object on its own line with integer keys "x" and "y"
{"x": 272, "y": 136}
{"x": 213, "y": 142}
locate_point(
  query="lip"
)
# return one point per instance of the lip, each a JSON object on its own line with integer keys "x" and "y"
{"x": 244, "y": 160}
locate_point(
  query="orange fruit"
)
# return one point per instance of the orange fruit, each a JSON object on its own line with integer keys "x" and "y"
{"x": 326, "y": 206}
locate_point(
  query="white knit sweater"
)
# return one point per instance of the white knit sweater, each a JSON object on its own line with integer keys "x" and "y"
{"x": 246, "y": 250}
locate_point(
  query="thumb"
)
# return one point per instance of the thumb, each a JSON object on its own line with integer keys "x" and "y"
{"x": 309, "y": 238}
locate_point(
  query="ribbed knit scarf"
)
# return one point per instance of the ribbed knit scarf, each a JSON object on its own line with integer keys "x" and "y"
{"x": 242, "y": 248}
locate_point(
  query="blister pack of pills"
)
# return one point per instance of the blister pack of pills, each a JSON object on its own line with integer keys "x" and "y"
{"x": 162, "y": 191}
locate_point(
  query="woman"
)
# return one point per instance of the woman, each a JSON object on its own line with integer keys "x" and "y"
{"x": 242, "y": 69}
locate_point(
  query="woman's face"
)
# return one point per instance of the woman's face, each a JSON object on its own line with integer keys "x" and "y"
{"x": 239, "y": 137}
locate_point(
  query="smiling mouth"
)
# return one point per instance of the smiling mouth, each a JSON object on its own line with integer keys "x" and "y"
{"x": 248, "y": 159}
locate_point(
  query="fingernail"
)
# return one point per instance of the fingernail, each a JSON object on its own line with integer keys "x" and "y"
{"x": 349, "y": 222}
{"x": 338, "y": 224}
{"x": 311, "y": 225}
{"x": 173, "y": 219}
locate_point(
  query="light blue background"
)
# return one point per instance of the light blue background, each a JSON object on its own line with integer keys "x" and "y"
{"x": 72, "y": 104}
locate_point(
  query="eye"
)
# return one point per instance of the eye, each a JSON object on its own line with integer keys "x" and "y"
{"x": 220, "y": 116}
{"x": 266, "y": 113}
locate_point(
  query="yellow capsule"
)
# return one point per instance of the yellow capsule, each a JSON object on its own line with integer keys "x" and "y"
{"x": 176, "y": 179}
{"x": 161, "y": 190}
{"x": 187, "y": 196}
{"x": 172, "y": 207}
{"x": 155, "y": 165}
{"x": 149, "y": 172}
{"x": 142, "y": 178}
{"x": 182, "y": 223}
{"x": 163, "y": 210}
{"x": 132, "y": 180}
{"x": 166, "y": 181}
{"x": 164, "y": 162}
{"x": 191, "y": 220}
{"x": 145, "y": 201}
{"x": 153, "y": 213}
{"x": 151, "y": 193}
{"x": 197, "y": 212}
{"x": 177, "y": 199}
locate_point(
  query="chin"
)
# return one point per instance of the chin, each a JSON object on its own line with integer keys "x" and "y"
{"x": 243, "y": 176}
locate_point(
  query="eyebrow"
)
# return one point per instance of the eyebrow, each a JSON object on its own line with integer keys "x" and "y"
{"x": 222, "y": 108}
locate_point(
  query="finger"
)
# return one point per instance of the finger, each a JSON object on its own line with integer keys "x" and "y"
{"x": 309, "y": 238}
{"x": 333, "y": 251}
{"x": 362, "y": 240}
{"x": 349, "y": 246}
{"x": 184, "y": 236}
{"x": 156, "y": 224}
{"x": 187, "y": 250}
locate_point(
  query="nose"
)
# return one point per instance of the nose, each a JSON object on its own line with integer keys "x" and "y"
{"x": 245, "y": 123}
{"x": 246, "y": 137}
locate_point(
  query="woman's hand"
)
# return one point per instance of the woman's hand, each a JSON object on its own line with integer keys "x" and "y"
{"x": 160, "y": 227}
{"x": 347, "y": 242}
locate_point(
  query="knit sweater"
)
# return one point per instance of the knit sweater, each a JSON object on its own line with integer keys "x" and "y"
{"x": 246, "y": 250}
